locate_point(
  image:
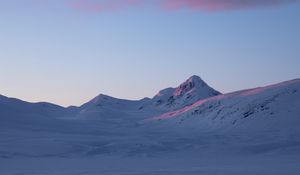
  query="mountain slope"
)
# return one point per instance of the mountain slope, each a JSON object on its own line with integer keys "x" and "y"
{"x": 169, "y": 99}
{"x": 9, "y": 106}
{"x": 187, "y": 93}
{"x": 261, "y": 120}
{"x": 254, "y": 131}
{"x": 15, "y": 113}
{"x": 275, "y": 107}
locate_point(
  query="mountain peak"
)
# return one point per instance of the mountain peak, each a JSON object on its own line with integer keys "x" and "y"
{"x": 194, "y": 78}
{"x": 187, "y": 93}
{"x": 194, "y": 82}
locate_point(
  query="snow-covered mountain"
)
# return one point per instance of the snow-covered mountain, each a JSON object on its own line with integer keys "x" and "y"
{"x": 191, "y": 103}
{"x": 187, "y": 93}
{"x": 192, "y": 121}
{"x": 274, "y": 107}
{"x": 15, "y": 108}
{"x": 166, "y": 100}
{"x": 15, "y": 113}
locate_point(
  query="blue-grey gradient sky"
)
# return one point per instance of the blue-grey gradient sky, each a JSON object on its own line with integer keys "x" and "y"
{"x": 68, "y": 51}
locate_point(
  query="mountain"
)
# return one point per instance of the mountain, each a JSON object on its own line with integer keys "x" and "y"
{"x": 114, "y": 111}
{"x": 233, "y": 133}
{"x": 274, "y": 107}
{"x": 169, "y": 99}
{"x": 19, "y": 108}
{"x": 15, "y": 113}
{"x": 185, "y": 94}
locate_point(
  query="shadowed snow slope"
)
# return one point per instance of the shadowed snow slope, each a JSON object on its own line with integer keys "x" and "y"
{"x": 14, "y": 112}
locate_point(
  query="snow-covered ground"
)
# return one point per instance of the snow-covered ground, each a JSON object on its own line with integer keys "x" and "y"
{"x": 191, "y": 129}
{"x": 215, "y": 165}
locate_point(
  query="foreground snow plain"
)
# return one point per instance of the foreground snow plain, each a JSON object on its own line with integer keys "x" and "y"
{"x": 216, "y": 165}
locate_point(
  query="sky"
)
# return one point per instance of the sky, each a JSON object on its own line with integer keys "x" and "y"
{"x": 69, "y": 51}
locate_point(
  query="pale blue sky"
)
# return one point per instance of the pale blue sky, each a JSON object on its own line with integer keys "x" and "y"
{"x": 52, "y": 52}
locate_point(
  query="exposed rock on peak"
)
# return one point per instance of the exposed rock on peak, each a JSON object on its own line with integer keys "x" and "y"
{"x": 190, "y": 91}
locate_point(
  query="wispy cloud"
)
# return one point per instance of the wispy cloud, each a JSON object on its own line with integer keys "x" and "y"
{"x": 102, "y": 6}
{"x": 200, "y": 5}
{"x": 221, "y": 5}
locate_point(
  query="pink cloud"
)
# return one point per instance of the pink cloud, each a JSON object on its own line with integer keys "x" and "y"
{"x": 221, "y": 5}
{"x": 200, "y": 5}
{"x": 102, "y": 6}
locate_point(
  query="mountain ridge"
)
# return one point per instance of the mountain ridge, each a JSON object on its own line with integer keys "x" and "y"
{"x": 188, "y": 92}
{"x": 169, "y": 92}
{"x": 243, "y": 121}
